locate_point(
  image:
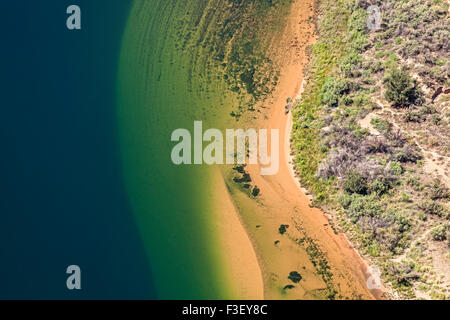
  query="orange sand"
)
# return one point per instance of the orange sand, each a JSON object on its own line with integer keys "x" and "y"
{"x": 283, "y": 202}
{"x": 239, "y": 259}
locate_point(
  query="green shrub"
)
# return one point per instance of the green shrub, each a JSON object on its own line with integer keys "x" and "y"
{"x": 345, "y": 200}
{"x": 398, "y": 217}
{"x": 332, "y": 90}
{"x": 350, "y": 63}
{"x": 436, "y": 119}
{"x": 414, "y": 116}
{"x": 374, "y": 249}
{"x": 357, "y": 21}
{"x": 402, "y": 273}
{"x": 380, "y": 186}
{"x": 381, "y": 124}
{"x": 396, "y": 167}
{"x": 440, "y": 233}
{"x": 401, "y": 90}
{"x": 439, "y": 191}
{"x": 432, "y": 207}
{"x": 448, "y": 239}
{"x": 362, "y": 206}
{"x": 355, "y": 183}
{"x": 405, "y": 197}
{"x": 409, "y": 153}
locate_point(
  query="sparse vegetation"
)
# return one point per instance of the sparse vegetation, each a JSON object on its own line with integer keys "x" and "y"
{"x": 372, "y": 178}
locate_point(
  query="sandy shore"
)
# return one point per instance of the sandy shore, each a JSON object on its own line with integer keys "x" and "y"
{"x": 244, "y": 277}
{"x": 283, "y": 202}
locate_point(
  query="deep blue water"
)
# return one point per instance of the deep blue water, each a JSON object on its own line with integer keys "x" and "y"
{"x": 62, "y": 199}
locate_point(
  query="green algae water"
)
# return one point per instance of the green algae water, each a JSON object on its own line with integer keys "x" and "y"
{"x": 162, "y": 87}
{"x": 183, "y": 61}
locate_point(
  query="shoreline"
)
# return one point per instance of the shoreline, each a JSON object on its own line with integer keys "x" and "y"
{"x": 239, "y": 257}
{"x": 283, "y": 202}
{"x": 364, "y": 265}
